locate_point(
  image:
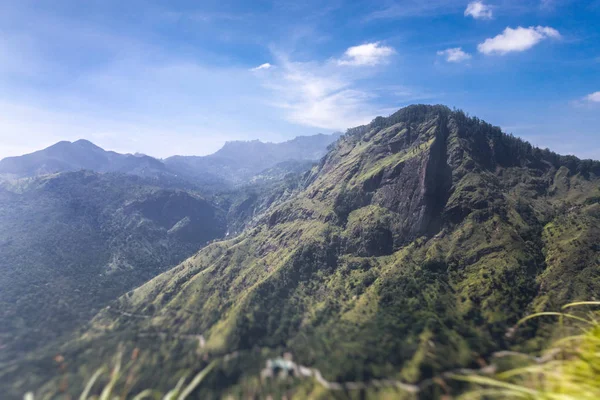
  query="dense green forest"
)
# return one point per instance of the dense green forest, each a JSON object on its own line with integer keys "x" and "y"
{"x": 71, "y": 243}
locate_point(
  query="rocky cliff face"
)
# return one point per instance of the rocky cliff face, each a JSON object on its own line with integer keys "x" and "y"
{"x": 411, "y": 249}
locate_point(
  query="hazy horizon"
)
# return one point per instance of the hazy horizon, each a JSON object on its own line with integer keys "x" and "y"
{"x": 162, "y": 79}
{"x": 172, "y": 155}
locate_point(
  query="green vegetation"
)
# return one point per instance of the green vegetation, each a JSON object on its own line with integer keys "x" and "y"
{"x": 568, "y": 368}
{"x": 412, "y": 249}
{"x": 116, "y": 383}
{"x": 73, "y": 242}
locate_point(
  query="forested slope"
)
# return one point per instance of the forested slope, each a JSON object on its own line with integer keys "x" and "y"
{"x": 413, "y": 248}
{"x": 72, "y": 242}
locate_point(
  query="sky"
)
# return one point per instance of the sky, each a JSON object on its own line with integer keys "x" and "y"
{"x": 183, "y": 76}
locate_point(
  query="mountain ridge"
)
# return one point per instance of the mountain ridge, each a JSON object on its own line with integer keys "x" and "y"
{"x": 412, "y": 248}
{"x": 73, "y": 156}
{"x": 239, "y": 161}
{"x": 234, "y": 164}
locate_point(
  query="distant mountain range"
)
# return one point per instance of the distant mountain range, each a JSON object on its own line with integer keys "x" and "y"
{"x": 74, "y": 156}
{"x": 80, "y": 226}
{"x": 236, "y": 163}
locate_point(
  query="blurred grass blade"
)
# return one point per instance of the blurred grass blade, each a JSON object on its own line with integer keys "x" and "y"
{"x": 147, "y": 393}
{"x": 114, "y": 377}
{"x": 556, "y": 314}
{"x": 196, "y": 381}
{"x": 172, "y": 394}
{"x": 90, "y": 384}
{"x": 581, "y": 303}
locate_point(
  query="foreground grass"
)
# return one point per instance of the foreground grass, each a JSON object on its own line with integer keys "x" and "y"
{"x": 109, "y": 391}
{"x": 568, "y": 369}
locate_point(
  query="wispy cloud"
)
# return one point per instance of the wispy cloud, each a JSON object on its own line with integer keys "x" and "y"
{"x": 455, "y": 55}
{"x": 327, "y": 94}
{"x": 149, "y": 79}
{"x": 317, "y": 95}
{"x": 517, "y": 40}
{"x": 593, "y": 97}
{"x": 262, "y": 66}
{"x": 478, "y": 10}
{"x": 136, "y": 106}
{"x": 133, "y": 102}
{"x": 368, "y": 54}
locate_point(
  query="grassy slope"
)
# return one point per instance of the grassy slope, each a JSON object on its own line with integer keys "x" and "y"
{"x": 418, "y": 242}
{"x": 567, "y": 368}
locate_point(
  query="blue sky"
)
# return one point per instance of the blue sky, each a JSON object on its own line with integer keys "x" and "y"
{"x": 183, "y": 77}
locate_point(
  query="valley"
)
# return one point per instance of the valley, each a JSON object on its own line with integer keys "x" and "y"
{"x": 80, "y": 226}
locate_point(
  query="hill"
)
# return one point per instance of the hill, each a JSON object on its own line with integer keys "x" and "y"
{"x": 72, "y": 242}
{"x": 411, "y": 249}
{"x": 80, "y": 155}
{"x": 238, "y": 162}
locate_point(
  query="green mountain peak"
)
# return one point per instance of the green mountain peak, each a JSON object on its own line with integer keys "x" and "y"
{"x": 412, "y": 248}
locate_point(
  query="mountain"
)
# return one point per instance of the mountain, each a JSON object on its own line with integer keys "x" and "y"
{"x": 80, "y": 155}
{"x": 238, "y": 162}
{"x": 71, "y": 243}
{"x": 87, "y": 225}
{"x": 412, "y": 248}
{"x": 247, "y": 203}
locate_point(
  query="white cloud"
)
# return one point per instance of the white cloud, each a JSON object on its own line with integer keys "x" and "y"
{"x": 262, "y": 66}
{"x": 325, "y": 95}
{"x": 518, "y": 39}
{"x": 593, "y": 97}
{"x": 368, "y": 54}
{"x": 454, "y": 55}
{"x": 478, "y": 10}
